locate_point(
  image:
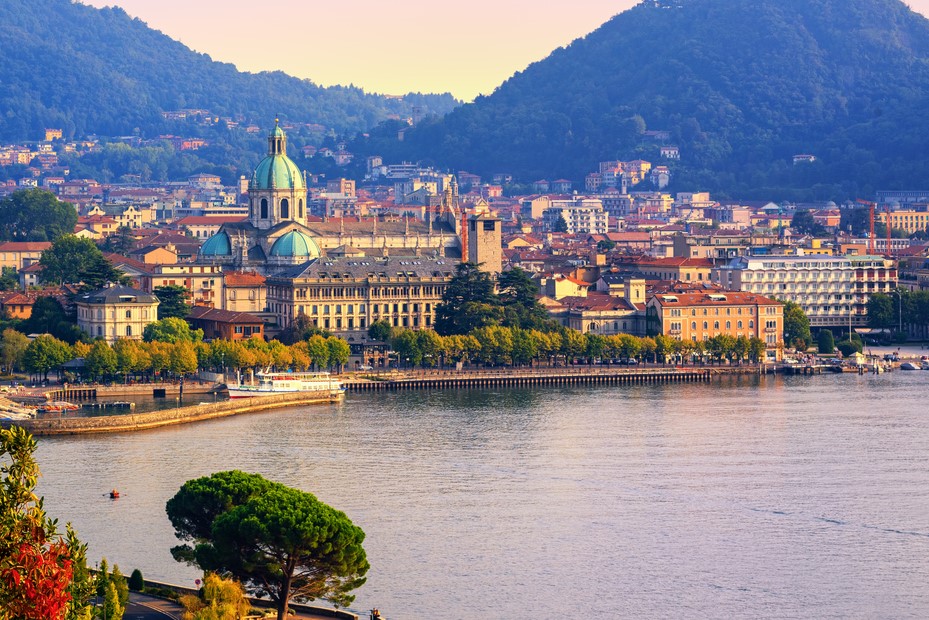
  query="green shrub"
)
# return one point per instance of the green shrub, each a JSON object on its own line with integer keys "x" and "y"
{"x": 136, "y": 582}
{"x": 825, "y": 342}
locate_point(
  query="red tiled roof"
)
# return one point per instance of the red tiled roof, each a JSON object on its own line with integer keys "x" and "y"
{"x": 25, "y": 246}
{"x": 242, "y": 278}
{"x": 205, "y": 313}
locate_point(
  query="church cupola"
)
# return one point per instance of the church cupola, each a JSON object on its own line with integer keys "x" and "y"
{"x": 277, "y": 192}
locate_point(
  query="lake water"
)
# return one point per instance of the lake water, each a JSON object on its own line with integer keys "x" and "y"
{"x": 744, "y": 498}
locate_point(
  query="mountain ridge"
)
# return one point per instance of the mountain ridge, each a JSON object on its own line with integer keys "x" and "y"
{"x": 93, "y": 70}
{"x": 741, "y": 87}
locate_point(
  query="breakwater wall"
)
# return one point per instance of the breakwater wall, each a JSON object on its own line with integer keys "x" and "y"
{"x": 528, "y": 379}
{"x": 157, "y": 390}
{"x": 169, "y": 417}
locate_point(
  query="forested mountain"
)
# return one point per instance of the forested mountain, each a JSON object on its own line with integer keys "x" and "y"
{"x": 741, "y": 86}
{"x": 99, "y": 71}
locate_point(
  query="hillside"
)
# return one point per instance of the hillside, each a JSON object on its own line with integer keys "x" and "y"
{"x": 98, "y": 71}
{"x": 740, "y": 86}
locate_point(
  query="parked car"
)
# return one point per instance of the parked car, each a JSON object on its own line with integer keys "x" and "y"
{"x": 365, "y": 367}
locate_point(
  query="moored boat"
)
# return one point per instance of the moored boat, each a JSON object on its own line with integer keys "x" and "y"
{"x": 270, "y": 383}
{"x": 908, "y": 366}
{"x": 57, "y": 406}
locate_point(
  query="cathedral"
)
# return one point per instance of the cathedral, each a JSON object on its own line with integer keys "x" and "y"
{"x": 278, "y": 234}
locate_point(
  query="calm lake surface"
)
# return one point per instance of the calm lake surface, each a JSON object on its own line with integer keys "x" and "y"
{"x": 745, "y": 498}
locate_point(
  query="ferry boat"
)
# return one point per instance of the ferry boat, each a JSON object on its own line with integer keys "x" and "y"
{"x": 270, "y": 383}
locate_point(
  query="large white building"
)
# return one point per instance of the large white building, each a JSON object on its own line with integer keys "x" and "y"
{"x": 833, "y": 291}
{"x": 116, "y": 312}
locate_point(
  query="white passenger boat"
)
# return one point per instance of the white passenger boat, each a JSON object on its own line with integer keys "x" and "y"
{"x": 270, "y": 383}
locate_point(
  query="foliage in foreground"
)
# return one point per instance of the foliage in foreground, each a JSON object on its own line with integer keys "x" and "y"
{"x": 280, "y": 542}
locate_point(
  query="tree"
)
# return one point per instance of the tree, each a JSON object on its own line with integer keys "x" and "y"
{"x": 468, "y": 302}
{"x": 174, "y": 301}
{"x": 182, "y": 358}
{"x": 825, "y": 342}
{"x": 12, "y": 349}
{"x": 560, "y": 225}
{"x": 380, "y": 330}
{"x": 36, "y": 565}
{"x": 101, "y": 362}
{"x": 120, "y": 242}
{"x": 221, "y": 599}
{"x": 35, "y": 215}
{"x": 136, "y": 581}
{"x": 318, "y": 350}
{"x": 339, "y": 351}
{"x": 75, "y": 260}
{"x": 8, "y": 279}
{"x": 796, "y": 326}
{"x": 44, "y": 353}
{"x": 302, "y": 328}
{"x": 804, "y": 223}
{"x": 280, "y": 542}
{"x": 882, "y": 311}
{"x": 171, "y": 330}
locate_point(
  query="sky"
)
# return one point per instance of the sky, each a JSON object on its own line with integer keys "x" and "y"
{"x": 465, "y": 48}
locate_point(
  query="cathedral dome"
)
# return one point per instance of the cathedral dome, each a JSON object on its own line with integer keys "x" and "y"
{"x": 217, "y": 245}
{"x": 295, "y": 244}
{"x": 277, "y": 171}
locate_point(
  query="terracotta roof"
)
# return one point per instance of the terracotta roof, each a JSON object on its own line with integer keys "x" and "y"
{"x": 205, "y": 313}
{"x": 597, "y": 302}
{"x": 25, "y": 246}
{"x": 242, "y": 278}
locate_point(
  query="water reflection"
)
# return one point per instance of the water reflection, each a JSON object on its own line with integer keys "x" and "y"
{"x": 752, "y": 497}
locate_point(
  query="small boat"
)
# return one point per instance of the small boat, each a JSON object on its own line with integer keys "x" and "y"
{"x": 57, "y": 406}
{"x": 909, "y": 366}
{"x": 114, "y": 494}
{"x": 270, "y": 383}
{"x": 924, "y": 366}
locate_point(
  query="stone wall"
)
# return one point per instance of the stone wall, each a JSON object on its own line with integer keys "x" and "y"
{"x": 167, "y": 417}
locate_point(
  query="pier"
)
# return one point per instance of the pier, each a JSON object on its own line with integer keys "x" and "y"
{"x": 516, "y": 378}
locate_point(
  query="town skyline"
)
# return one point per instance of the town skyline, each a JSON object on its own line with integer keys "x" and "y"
{"x": 465, "y": 53}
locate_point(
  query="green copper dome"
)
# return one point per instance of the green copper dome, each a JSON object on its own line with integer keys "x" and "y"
{"x": 277, "y": 171}
{"x": 295, "y": 244}
{"x": 217, "y": 245}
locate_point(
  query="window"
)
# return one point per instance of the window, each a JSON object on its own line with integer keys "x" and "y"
{"x": 128, "y": 314}
{"x": 285, "y": 209}
{"x": 739, "y": 324}
{"x": 99, "y": 330}
{"x": 693, "y": 325}
{"x": 716, "y": 325}
{"x": 728, "y": 324}
{"x": 264, "y": 209}
{"x": 751, "y": 324}
{"x": 129, "y": 330}
{"x": 706, "y": 325}
{"x": 300, "y": 208}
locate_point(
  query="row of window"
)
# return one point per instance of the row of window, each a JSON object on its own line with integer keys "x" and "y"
{"x": 99, "y": 314}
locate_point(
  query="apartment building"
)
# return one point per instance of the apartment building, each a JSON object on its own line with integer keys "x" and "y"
{"x": 699, "y": 316}
{"x": 833, "y": 291}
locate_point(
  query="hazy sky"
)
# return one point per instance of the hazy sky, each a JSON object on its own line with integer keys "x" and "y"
{"x": 466, "y": 48}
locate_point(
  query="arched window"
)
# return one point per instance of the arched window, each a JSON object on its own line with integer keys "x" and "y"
{"x": 716, "y": 325}
{"x": 285, "y": 209}
{"x": 129, "y": 330}
{"x": 705, "y": 325}
{"x": 751, "y": 324}
{"x": 264, "y": 209}
{"x": 693, "y": 325}
{"x": 300, "y": 208}
{"x": 728, "y": 324}
{"x": 740, "y": 324}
